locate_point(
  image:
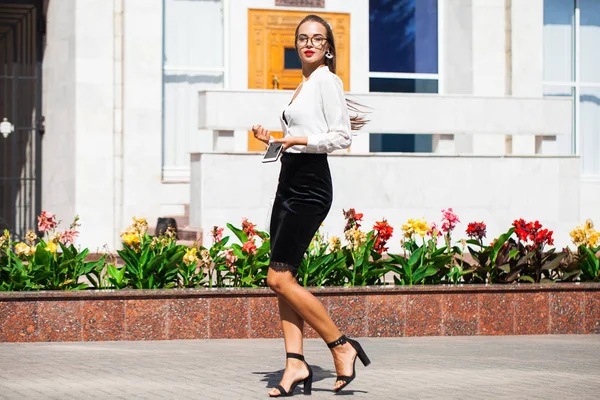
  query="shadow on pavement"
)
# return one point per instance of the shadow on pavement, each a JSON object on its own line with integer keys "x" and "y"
{"x": 272, "y": 379}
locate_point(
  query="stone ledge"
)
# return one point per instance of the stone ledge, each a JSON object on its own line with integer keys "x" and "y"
{"x": 527, "y": 309}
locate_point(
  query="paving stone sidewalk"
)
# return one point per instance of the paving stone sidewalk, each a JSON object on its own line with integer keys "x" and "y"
{"x": 515, "y": 367}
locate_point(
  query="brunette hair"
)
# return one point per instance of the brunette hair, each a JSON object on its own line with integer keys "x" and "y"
{"x": 357, "y": 121}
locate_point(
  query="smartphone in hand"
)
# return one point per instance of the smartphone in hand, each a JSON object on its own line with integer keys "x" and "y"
{"x": 273, "y": 152}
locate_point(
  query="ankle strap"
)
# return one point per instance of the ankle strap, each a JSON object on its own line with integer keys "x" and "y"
{"x": 340, "y": 341}
{"x": 295, "y": 355}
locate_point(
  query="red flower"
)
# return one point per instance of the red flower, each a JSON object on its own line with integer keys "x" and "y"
{"x": 476, "y": 230}
{"x": 522, "y": 229}
{"x": 248, "y": 228}
{"x": 249, "y": 247}
{"x": 352, "y": 219}
{"x": 384, "y": 233}
{"x": 532, "y": 231}
{"x": 544, "y": 236}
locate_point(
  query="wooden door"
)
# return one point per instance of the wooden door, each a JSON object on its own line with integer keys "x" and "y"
{"x": 273, "y": 62}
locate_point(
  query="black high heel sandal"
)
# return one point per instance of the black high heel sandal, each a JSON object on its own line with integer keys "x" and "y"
{"x": 307, "y": 381}
{"x": 360, "y": 353}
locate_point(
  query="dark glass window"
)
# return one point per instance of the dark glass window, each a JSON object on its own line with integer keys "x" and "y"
{"x": 396, "y": 85}
{"x": 291, "y": 59}
{"x": 403, "y": 36}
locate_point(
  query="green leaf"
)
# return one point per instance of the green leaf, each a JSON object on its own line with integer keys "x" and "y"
{"x": 504, "y": 267}
{"x": 415, "y": 256}
{"x": 42, "y": 257}
{"x": 239, "y": 233}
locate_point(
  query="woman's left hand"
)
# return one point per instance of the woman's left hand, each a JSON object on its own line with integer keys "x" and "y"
{"x": 290, "y": 141}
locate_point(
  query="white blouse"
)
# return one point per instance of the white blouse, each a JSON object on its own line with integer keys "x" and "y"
{"x": 319, "y": 112}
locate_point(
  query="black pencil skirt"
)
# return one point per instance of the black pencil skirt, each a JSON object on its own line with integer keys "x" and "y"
{"x": 303, "y": 199}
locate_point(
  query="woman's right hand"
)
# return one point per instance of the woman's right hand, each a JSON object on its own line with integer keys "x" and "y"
{"x": 261, "y": 134}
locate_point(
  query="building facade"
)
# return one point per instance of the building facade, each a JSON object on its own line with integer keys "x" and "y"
{"x": 134, "y": 91}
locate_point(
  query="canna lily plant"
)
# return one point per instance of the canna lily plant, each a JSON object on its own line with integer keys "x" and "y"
{"x": 49, "y": 262}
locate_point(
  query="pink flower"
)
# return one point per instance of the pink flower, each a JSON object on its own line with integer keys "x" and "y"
{"x": 248, "y": 228}
{"x": 217, "y": 234}
{"x": 46, "y": 221}
{"x": 249, "y": 247}
{"x": 230, "y": 257}
{"x": 434, "y": 231}
{"x": 230, "y": 260}
{"x": 449, "y": 220}
{"x": 68, "y": 237}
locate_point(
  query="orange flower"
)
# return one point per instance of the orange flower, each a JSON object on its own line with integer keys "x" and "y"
{"x": 249, "y": 247}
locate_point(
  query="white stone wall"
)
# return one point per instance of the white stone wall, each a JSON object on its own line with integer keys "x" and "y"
{"x": 88, "y": 168}
{"x": 483, "y": 116}
{"x": 142, "y": 108}
{"x": 94, "y": 120}
{"x": 78, "y": 105}
{"x": 58, "y": 78}
{"x": 496, "y": 190}
{"x": 590, "y": 203}
{"x": 490, "y": 50}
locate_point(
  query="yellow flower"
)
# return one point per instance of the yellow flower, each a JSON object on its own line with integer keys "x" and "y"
{"x": 415, "y": 226}
{"x": 578, "y": 236}
{"x": 21, "y": 249}
{"x": 51, "y": 247}
{"x": 589, "y": 224}
{"x": 205, "y": 256}
{"x": 355, "y": 237}
{"x": 593, "y": 239}
{"x": 140, "y": 225}
{"x": 585, "y": 235}
{"x": 421, "y": 227}
{"x": 190, "y": 256}
{"x": 171, "y": 233}
{"x": 408, "y": 229}
{"x": 131, "y": 239}
{"x": 335, "y": 244}
{"x": 30, "y": 237}
{"x": 159, "y": 241}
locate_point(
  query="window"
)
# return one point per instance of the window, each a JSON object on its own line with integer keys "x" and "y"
{"x": 403, "y": 46}
{"x": 291, "y": 59}
{"x": 403, "y": 36}
{"x": 572, "y": 68}
{"x": 193, "y": 52}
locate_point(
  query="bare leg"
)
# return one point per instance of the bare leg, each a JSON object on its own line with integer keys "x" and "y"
{"x": 310, "y": 309}
{"x": 293, "y": 327}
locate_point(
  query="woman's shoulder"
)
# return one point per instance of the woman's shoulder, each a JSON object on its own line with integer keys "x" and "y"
{"x": 323, "y": 74}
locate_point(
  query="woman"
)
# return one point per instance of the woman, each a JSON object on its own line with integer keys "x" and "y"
{"x": 316, "y": 122}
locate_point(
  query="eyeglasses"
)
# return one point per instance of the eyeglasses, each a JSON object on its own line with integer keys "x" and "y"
{"x": 316, "y": 41}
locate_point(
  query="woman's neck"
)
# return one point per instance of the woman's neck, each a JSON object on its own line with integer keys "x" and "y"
{"x": 308, "y": 69}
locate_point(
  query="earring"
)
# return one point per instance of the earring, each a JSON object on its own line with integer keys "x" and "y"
{"x": 328, "y": 55}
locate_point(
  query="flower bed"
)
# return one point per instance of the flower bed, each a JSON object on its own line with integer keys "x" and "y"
{"x": 433, "y": 287}
{"x": 429, "y": 256}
